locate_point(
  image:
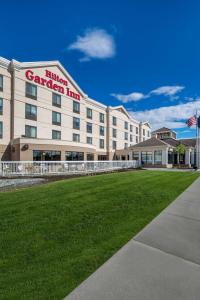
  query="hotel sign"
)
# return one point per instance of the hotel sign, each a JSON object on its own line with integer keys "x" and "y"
{"x": 53, "y": 82}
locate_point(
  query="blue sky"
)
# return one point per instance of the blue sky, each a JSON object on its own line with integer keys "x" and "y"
{"x": 142, "y": 54}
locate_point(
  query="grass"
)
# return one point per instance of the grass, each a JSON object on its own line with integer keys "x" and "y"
{"x": 54, "y": 236}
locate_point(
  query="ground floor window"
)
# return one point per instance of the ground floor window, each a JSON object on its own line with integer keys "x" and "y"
{"x": 147, "y": 157}
{"x": 102, "y": 157}
{"x": 171, "y": 158}
{"x": 135, "y": 156}
{"x": 90, "y": 156}
{"x": 39, "y": 155}
{"x": 158, "y": 157}
{"x": 73, "y": 155}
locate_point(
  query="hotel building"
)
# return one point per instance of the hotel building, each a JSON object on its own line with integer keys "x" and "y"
{"x": 45, "y": 115}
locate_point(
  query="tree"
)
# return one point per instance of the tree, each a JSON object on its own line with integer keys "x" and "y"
{"x": 180, "y": 150}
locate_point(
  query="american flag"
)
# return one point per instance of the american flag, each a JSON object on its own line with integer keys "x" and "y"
{"x": 192, "y": 121}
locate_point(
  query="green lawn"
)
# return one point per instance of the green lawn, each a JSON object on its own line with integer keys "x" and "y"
{"x": 54, "y": 236}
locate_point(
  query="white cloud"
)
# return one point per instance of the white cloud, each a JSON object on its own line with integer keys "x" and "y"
{"x": 95, "y": 43}
{"x": 170, "y": 91}
{"x": 170, "y": 116}
{"x": 133, "y": 97}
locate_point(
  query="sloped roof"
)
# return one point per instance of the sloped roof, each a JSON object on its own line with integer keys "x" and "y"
{"x": 188, "y": 142}
{"x": 150, "y": 143}
{"x": 172, "y": 142}
{"x": 163, "y": 129}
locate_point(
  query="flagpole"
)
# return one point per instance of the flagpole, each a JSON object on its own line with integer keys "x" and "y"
{"x": 197, "y": 142}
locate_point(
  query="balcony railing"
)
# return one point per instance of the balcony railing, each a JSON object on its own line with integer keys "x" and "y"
{"x": 48, "y": 168}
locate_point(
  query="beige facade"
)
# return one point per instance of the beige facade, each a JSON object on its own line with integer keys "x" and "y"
{"x": 46, "y": 115}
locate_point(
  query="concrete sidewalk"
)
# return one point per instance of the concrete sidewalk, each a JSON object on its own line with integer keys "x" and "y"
{"x": 162, "y": 262}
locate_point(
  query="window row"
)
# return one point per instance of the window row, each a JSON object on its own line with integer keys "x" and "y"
{"x": 39, "y": 155}
{"x": 31, "y": 92}
{"x": 31, "y": 132}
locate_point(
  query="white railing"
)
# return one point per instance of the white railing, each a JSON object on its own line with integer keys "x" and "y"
{"x": 45, "y": 168}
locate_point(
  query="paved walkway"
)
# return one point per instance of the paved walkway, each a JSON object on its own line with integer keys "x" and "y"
{"x": 162, "y": 262}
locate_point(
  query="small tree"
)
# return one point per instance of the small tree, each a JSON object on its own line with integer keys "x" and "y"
{"x": 180, "y": 149}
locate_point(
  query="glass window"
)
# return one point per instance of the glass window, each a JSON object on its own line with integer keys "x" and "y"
{"x": 131, "y": 128}
{"x": 126, "y": 136}
{"x": 114, "y": 145}
{"x": 101, "y": 130}
{"x": 143, "y": 131}
{"x": 89, "y": 127}
{"x": 101, "y": 144}
{"x": 125, "y": 145}
{"x": 76, "y": 137}
{"x": 74, "y": 156}
{"x": 30, "y": 131}
{"x": 90, "y": 156}
{"x": 39, "y": 155}
{"x": 56, "y": 100}
{"x": 114, "y": 121}
{"x": 148, "y": 133}
{"x": 135, "y": 155}
{"x": 56, "y": 135}
{"x": 89, "y": 140}
{"x": 1, "y": 106}
{"x": 137, "y": 130}
{"x": 158, "y": 157}
{"x": 1, "y": 82}
{"x": 56, "y": 118}
{"x": 147, "y": 157}
{"x": 31, "y": 90}
{"x": 76, "y": 123}
{"x": 1, "y": 130}
{"x": 137, "y": 140}
{"x": 125, "y": 125}
{"x": 114, "y": 132}
{"x": 76, "y": 107}
{"x": 31, "y": 112}
{"x": 89, "y": 113}
{"x": 101, "y": 118}
{"x": 131, "y": 138}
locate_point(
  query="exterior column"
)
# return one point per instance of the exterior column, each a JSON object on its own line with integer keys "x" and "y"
{"x": 165, "y": 157}
{"x": 187, "y": 157}
{"x": 153, "y": 163}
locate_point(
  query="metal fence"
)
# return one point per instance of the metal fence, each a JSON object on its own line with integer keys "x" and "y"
{"x": 45, "y": 168}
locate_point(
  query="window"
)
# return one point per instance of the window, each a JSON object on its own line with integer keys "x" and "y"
{"x": 76, "y": 137}
{"x": 101, "y": 144}
{"x": 89, "y": 140}
{"x": 125, "y": 145}
{"x": 56, "y": 135}
{"x": 137, "y": 130}
{"x": 114, "y": 145}
{"x": 31, "y": 90}
{"x": 30, "y": 131}
{"x": 143, "y": 131}
{"x": 125, "y": 125}
{"x": 101, "y": 130}
{"x": 148, "y": 133}
{"x": 1, "y": 82}
{"x": 76, "y": 107}
{"x": 114, "y": 121}
{"x": 126, "y": 136}
{"x": 1, "y": 106}
{"x": 56, "y": 118}
{"x": 101, "y": 118}
{"x": 56, "y": 100}
{"x": 90, "y": 156}
{"x": 158, "y": 157}
{"x": 146, "y": 157}
{"x": 89, "y": 127}
{"x": 89, "y": 113}
{"x": 73, "y": 155}
{"x": 131, "y": 128}
{"x": 1, "y": 130}
{"x": 31, "y": 112}
{"x": 76, "y": 123}
{"x": 131, "y": 138}
{"x": 39, "y": 155}
{"x": 135, "y": 155}
{"x": 137, "y": 140}
{"x": 114, "y": 132}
